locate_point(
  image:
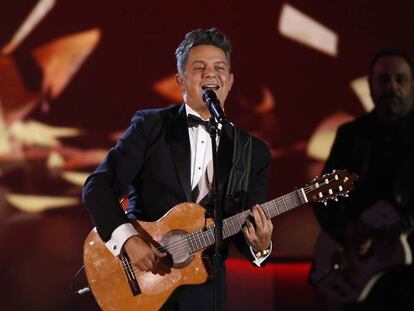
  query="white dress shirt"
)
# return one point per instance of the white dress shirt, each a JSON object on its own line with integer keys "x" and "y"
{"x": 201, "y": 158}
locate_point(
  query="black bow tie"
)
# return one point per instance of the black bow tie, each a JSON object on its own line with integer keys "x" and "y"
{"x": 193, "y": 120}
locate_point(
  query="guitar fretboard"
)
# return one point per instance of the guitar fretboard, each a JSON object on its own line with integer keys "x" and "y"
{"x": 205, "y": 237}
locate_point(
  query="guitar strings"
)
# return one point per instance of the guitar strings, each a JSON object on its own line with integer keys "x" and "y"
{"x": 199, "y": 235}
{"x": 182, "y": 244}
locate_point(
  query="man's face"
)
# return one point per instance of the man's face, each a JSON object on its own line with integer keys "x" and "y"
{"x": 391, "y": 88}
{"x": 206, "y": 67}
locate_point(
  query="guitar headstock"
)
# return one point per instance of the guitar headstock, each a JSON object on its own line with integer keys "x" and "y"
{"x": 330, "y": 186}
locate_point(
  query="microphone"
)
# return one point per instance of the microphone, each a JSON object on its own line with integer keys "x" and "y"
{"x": 213, "y": 104}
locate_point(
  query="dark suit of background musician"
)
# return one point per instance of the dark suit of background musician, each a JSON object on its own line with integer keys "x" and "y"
{"x": 152, "y": 163}
{"x": 379, "y": 147}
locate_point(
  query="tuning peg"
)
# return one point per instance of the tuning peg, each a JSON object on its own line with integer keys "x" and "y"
{"x": 325, "y": 203}
{"x": 346, "y": 195}
{"x": 336, "y": 199}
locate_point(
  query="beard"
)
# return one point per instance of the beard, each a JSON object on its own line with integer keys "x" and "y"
{"x": 392, "y": 107}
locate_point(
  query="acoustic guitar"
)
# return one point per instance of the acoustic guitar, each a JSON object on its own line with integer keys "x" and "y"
{"x": 183, "y": 232}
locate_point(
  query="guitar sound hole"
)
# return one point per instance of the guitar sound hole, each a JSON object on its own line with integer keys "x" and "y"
{"x": 176, "y": 243}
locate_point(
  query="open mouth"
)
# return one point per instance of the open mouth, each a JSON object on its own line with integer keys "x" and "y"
{"x": 214, "y": 87}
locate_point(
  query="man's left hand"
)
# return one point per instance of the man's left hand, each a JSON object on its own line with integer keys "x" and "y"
{"x": 258, "y": 235}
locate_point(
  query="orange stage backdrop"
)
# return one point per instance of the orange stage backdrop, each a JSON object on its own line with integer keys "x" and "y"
{"x": 73, "y": 72}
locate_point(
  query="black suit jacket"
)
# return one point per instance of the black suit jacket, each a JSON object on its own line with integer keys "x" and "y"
{"x": 383, "y": 157}
{"x": 151, "y": 162}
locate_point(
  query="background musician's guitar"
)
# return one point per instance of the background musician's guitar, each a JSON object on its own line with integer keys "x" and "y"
{"x": 346, "y": 276}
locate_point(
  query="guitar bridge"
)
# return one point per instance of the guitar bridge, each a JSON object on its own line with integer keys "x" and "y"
{"x": 129, "y": 272}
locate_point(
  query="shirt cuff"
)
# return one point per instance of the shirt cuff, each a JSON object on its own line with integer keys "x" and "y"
{"x": 119, "y": 237}
{"x": 258, "y": 260}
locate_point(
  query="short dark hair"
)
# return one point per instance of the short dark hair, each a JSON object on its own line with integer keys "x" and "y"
{"x": 390, "y": 52}
{"x": 211, "y": 36}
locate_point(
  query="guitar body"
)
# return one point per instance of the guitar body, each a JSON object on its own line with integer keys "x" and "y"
{"x": 343, "y": 275}
{"x": 183, "y": 233}
{"x": 109, "y": 283}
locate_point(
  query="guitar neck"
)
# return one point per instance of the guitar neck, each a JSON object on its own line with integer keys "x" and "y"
{"x": 234, "y": 224}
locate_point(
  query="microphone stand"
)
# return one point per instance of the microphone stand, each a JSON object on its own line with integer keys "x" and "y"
{"x": 218, "y": 219}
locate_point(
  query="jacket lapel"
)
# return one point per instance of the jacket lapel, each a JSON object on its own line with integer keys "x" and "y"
{"x": 177, "y": 137}
{"x": 225, "y": 155}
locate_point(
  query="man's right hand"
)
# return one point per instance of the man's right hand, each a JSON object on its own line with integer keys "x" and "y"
{"x": 142, "y": 255}
{"x": 359, "y": 237}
